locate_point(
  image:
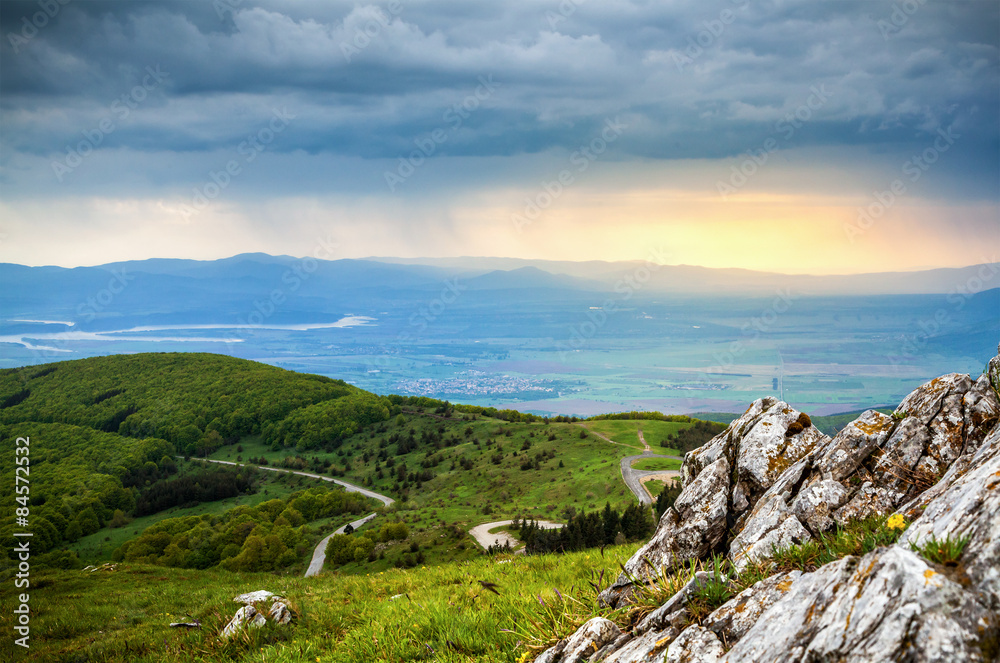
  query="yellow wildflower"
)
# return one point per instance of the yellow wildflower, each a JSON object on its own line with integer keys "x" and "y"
{"x": 896, "y": 521}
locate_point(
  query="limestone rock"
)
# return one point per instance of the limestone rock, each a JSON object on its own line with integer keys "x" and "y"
{"x": 647, "y": 648}
{"x": 739, "y": 614}
{"x": 279, "y": 613}
{"x": 982, "y": 411}
{"x": 259, "y": 596}
{"x": 993, "y": 370}
{"x": 814, "y": 505}
{"x": 853, "y": 444}
{"x": 868, "y": 501}
{"x": 969, "y": 506}
{"x": 663, "y": 616}
{"x": 248, "y": 615}
{"x": 890, "y": 605}
{"x": 615, "y": 645}
{"x": 245, "y": 616}
{"x": 688, "y": 530}
{"x": 695, "y": 645}
{"x": 928, "y": 439}
{"x": 587, "y": 640}
{"x": 771, "y": 480}
{"x": 551, "y": 654}
{"x": 767, "y": 449}
{"x": 771, "y": 526}
{"x": 697, "y": 460}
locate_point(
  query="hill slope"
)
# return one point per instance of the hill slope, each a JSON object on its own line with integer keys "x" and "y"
{"x": 105, "y": 431}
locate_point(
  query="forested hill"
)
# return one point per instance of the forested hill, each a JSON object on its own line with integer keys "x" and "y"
{"x": 197, "y": 402}
{"x": 104, "y": 432}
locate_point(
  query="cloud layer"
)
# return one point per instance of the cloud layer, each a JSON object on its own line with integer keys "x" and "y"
{"x": 147, "y": 99}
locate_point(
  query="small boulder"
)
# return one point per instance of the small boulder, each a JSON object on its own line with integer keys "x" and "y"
{"x": 245, "y": 616}
{"x": 279, "y": 613}
{"x": 259, "y": 596}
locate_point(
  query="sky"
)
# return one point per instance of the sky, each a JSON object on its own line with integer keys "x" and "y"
{"x": 792, "y": 136}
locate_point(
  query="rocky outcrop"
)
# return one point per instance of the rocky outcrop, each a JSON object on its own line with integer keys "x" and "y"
{"x": 588, "y": 639}
{"x": 252, "y": 614}
{"x": 889, "y": 605}
{"x": 966, "y": 504}
{"x": 771, "y": 480}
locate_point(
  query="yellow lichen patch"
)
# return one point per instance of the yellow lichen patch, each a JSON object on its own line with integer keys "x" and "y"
{"x": 873, "y": 429}
{"x": 861, "y": 577}
{"x": 662, "y": 642}
{"x": 930, "y": 573}
{"x": 784, "y": 585}
{"x": 740, "y": 607}
{"x": 780, "y": 461}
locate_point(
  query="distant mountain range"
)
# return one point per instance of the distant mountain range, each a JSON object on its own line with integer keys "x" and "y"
{"x": 164, "y": 290}
{"x": 688, "y": 279}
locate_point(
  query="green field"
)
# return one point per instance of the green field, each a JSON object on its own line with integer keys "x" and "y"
{"x": 656, "y": 432}
{"x": 625, "y": 431}
{"x": 657, "y": 464}
{"x": 440, "y": 613}
{"x": 654, "y": 486}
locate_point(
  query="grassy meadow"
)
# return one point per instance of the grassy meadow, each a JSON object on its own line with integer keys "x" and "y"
{"x": 438, "y": 613}
{"x": 657, "y": 464}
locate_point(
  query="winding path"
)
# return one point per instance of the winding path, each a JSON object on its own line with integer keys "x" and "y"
{"x": 319, "y": 553}
{"x": 481, "y": 533}
{"x": 633, "y": 478}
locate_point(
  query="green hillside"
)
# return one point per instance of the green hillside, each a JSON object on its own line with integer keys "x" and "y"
{"x": 197, "y": 402}
{"x": 109, "y": 482}
{"x": 441, "y": 613}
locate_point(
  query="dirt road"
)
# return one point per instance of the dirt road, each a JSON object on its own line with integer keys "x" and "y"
{"x": 319, "y": 553}
{"x": 481, "y": 533}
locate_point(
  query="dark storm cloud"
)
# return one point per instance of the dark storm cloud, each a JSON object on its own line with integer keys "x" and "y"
{"x": 692, "y": 79}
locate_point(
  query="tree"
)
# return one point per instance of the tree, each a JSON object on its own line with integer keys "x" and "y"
{"x": 87, "y": 521}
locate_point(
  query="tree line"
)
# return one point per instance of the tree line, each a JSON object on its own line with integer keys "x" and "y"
{"x": 693, "y": 437}
{"x": 588, "y": 530}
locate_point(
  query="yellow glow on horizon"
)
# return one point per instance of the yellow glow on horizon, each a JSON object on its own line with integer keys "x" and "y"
{"x": 773, "y": 232}
{"x": 790, "y": 234}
